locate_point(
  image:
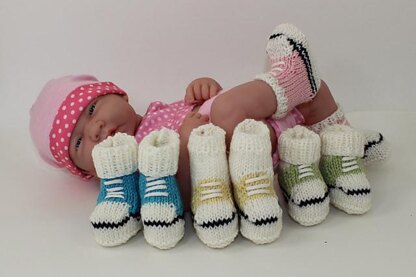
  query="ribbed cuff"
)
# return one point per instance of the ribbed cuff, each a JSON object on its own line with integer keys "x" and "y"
{"x": 206, "y": 139}
{"x": 282, "y": 101}
{"x": 342, "y": 140}
{"x": 338, "y": 117}
{"x": 159, "y": 153}
{"x": 299, "y": 145}
{"x": 115, "y": 156}
{"x": 251, "y": 136}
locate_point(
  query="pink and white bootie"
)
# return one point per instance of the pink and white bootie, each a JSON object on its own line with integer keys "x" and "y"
{"x": 293, "y": 76}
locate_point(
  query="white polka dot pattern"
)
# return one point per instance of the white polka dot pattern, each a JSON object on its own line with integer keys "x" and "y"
{"x": 160, "y": 115}
{"x": 66, "y": 119}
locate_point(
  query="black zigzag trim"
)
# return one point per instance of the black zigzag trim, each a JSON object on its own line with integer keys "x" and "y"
{"x": 370, "y": 144}
{"x": 351, "y": 191}
{"x": 305, "y": 57}
{"x": 215, "y": 223}
{"x": 157, "y": 223}
{"x": 259, "y": 222}
{"x": 114, "y": 225}
{"x": 304, "y": 203}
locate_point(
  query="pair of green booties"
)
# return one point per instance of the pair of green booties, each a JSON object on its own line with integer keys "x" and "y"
{"x": 316, "y": 170}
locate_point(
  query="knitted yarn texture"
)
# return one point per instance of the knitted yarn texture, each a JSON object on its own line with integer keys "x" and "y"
{"x": 300, "y": 178}
{"x": 116, "y": 217}
{"x": 251, "y": 170}
{"x": 342, "y": 169}
{"x": 214, "y": 215}
{"x": 293, "y": 75}
{"x": 162, "y": 209}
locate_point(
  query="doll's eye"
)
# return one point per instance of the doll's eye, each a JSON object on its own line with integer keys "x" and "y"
{"x": 78, "y": 143}
{"x": 92, "y": 108}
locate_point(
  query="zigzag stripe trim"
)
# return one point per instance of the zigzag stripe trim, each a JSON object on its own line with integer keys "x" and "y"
{"x": 351, "y": 191}
{"x": 259, "y": 222}
{"x": 115, "y": 225}
{"x": 215, "y": 223}
{"x": 304, "y": 203}
{"x": 370, "y": 144}
{"x": 158, "y": 223}
{"x": 305, "y": 57}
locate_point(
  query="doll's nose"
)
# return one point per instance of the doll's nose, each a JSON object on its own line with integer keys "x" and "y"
{"x": 95, "y": 129}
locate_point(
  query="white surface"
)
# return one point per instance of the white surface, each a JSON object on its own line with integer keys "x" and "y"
{"x": 153, "y": 49}
{"x": 45, "y": 229}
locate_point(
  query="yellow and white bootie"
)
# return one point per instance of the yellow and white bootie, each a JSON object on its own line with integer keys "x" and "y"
{"x": 214, "y": 214}
{"x": 251, "y": 170}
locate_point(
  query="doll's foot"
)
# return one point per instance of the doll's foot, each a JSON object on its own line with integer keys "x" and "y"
{"x": 116, "y": 217}
{"x": 251, "y": 170}
{"x": 162, "y": 208}
{"x": 214, "y": 214}
{"x": 300, "y": 178}
{"x": 293, "y": 75}
{"x": 342, "y": 168}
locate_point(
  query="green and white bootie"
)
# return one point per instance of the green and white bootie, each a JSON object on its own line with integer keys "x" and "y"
{"x": 251, "y": 170}
{"x": 342, "y": 168}
{"x": 300, "y": 178}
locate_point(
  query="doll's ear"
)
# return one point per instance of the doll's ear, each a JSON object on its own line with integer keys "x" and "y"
{"x": 126, "y": 97}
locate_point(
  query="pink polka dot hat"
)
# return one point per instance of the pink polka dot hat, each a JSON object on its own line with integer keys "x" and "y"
{"x": 55, "y": 113}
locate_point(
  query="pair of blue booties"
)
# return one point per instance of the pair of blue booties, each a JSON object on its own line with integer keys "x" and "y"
{"x": 138, "y": 189}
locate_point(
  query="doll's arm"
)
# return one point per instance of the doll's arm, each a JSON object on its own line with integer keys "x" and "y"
{"x": 200, "y": 90}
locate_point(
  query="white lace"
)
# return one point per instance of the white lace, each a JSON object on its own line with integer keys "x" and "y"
{"x": 305, "y": 170}
{"x": 154, "y": 184}
{"x": 211, "y": 193}
{"x": 259, "y": 188}
{"x": 349, "y": 163}
{"x": 114, "y": 192}
{"x": 276, "y": 66}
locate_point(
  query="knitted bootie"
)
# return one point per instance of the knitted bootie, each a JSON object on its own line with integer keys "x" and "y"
{"x": 376, "y": 148}
{"x": 116, "y": 217}
{"x": 299, "y": 176}
{"x": 162, "y": 208}
{"x": 251, "y": 170}
{"x": 214, "y": 214}
{"x": 342, "y": 168}
{"x": 293, "y": 76}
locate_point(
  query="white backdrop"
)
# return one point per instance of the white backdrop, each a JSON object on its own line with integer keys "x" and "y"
{"x": 365, "y": 49}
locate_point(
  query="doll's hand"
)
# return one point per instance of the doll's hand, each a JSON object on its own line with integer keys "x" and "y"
{"x": 200, "y": 90}
{"x": 191, "y": 121}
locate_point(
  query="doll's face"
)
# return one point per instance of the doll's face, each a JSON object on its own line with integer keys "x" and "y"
{"x": 103, "y": 117}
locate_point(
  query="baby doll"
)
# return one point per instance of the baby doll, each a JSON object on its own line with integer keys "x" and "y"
{"x": 74, "y": 113}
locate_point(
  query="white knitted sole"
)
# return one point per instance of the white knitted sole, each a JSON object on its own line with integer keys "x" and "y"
{"x": 309, "y": 204}
{"x": 216, "y": 224}
{"x": 219, "y": 236}
{"x": 261, "y": 234}
{"x": 262, "y": 221}
{"x": 162, "y": 227}
{"x": 165, "y": 237}
{"x": 311, "y": 214}
{"x": 355, "y": 203}
{"x": 115, "y": 236}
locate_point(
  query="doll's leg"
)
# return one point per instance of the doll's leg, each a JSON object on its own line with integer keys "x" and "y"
{"x": 116, "y": 217}
{"x": 323, "y": 111}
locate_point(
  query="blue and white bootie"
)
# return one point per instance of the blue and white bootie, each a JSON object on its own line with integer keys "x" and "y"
{"x": 116, "y": 217}
{"x": 162, "y": 208}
